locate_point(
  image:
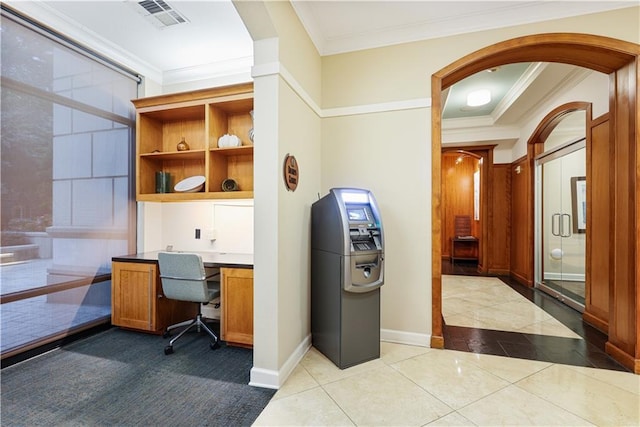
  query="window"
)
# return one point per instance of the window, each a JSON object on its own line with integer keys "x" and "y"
{"x": 66, "y": 180}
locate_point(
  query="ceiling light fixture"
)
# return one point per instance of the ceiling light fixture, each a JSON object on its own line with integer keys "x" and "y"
{"x": 478, "y": 98}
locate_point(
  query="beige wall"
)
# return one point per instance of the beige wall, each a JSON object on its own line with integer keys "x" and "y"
{"x": 391, "y": 149}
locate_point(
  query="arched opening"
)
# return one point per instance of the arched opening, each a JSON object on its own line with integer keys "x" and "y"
{"x": 619, "y": 59}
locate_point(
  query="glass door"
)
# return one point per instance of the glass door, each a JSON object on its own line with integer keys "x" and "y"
{"x": 560, "y": 223}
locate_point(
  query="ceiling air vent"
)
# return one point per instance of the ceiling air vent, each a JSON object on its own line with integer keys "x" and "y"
{"x": 160, "y": 14}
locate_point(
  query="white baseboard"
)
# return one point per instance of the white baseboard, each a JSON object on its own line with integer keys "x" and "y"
{"x": 408, "y": 338}
{"x": 267, "y": 378}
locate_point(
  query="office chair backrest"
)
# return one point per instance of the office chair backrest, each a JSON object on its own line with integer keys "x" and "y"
{"x": 183, "y": 277}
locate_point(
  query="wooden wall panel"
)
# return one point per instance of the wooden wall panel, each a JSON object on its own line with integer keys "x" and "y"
{"x": 521, "y": 220}
{"x": 624, "y": 298}
{"x": 457, "y": 195}
{"x": 598, "y": 219}
{"x": 499, "y": 235}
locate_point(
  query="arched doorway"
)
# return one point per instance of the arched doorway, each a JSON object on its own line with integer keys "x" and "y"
{"x": 620, "y": 60}
{"x": 562, "y": 240}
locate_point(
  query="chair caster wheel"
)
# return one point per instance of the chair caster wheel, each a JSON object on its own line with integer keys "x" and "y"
{"x": 168, "y": 350}
{"x": 166, "y": 334}
{"x": 214, "y": 345}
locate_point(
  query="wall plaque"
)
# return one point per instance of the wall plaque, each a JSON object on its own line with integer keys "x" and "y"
{"x": 291, "y": 172}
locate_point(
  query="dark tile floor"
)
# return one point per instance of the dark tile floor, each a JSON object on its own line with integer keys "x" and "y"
{"x": 588, "y": 351}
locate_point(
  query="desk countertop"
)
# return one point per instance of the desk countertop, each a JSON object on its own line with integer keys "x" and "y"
{"x": 210, "y": 259}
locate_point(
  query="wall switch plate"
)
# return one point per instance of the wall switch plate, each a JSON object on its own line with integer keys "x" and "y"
{"x": 210, "y": 234}
{"x": 197, "y": 233}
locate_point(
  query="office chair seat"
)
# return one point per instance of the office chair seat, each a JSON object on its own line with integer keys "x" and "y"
{"x": 184, "y": 278}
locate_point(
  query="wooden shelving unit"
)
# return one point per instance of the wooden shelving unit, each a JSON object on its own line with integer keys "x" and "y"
{"x": 200, "y": 117}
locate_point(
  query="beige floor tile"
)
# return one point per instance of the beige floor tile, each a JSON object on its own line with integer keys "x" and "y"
{"x": 450, "y": 378}
{"x": 586, "y": 396}
{"x": 484, "y": 298}
{"x": 310, "y": 408}
{"x": 454, "y": 419}
{"x": 551, "y": 327}
{"x": 489, "y": 318}
{"x": 523, "y": 308}
{"x": 384, "y": 397}
{"x": 513, "y": 406}
{"x": 393, "y": 352}
{"x": 624, "y": 380}
{"x": 300, "y": 380}
{"x": 458, "y": 305}
{"x": 325, "y": 371}
{"x": 507, "y": 368}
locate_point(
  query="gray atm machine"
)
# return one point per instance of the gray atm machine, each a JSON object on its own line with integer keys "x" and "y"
{"x": 347, "y": 270}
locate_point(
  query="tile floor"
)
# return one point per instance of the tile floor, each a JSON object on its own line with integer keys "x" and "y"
{"x": 418, "y": 386}
{"x": 489, "y": 303}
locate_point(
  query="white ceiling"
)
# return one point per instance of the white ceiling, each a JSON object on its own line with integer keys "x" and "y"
{"x": 215, "y": 43}
{"x": 342, "y": 26}
{"x": 215, "y": 37}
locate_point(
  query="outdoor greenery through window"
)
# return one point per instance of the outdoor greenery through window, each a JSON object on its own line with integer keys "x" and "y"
{"x": 67, "y": 127}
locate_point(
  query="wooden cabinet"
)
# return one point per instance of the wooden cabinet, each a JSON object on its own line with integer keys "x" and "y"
{"x": 137, "y": 301}
{"x": 201, "y": 118}
{"x": 236, "y": 323}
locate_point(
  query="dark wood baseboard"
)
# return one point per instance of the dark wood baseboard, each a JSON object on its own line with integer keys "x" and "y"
{"x": 596, "y": 322}
{"x": 522, "y": 280}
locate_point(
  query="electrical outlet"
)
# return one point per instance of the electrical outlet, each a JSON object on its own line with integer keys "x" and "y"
{"x": 197, "y": 233}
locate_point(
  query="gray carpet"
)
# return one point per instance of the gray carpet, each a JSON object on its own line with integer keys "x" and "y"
{"x": 123, "y": 378}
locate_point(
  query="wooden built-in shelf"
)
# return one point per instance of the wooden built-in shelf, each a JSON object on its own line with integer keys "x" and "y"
{"x": 201, "y": 118}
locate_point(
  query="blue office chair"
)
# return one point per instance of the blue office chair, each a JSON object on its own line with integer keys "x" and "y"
{"x": 184, "y": 278}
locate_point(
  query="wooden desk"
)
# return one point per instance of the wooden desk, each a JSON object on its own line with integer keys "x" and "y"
{"x": 467, "y": 249}
{"x": 137, "y": 300}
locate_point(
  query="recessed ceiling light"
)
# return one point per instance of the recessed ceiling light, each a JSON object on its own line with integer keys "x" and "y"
{"x": 478, "y": 98}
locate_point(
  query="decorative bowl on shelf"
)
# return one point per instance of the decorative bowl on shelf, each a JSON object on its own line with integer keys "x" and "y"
{"x": 192, "y": 184}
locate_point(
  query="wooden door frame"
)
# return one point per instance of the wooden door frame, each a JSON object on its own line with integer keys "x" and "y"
{"x": 617, "y": 58}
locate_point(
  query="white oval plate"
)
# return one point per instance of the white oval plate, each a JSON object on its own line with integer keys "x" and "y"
{"x": 191, "y": 184}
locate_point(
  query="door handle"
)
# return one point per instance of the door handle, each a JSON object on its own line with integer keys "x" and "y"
{"x": 553, "y": 224}
{"x": 562, "y": 234}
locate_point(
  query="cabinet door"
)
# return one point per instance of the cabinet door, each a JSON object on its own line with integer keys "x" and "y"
{"x": 132, "y": 289}
{"x": 237, "y": 306}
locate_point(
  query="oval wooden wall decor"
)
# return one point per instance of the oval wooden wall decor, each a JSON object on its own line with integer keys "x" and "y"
{"x": 291, "y": 172}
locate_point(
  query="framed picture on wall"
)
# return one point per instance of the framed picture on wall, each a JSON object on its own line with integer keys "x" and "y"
{"x": 579, "y": 203}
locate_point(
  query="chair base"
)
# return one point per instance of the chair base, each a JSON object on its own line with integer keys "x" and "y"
{"x": 199, "y": 323}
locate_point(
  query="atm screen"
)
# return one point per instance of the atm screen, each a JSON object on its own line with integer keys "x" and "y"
{"x": 357, "y": 214}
